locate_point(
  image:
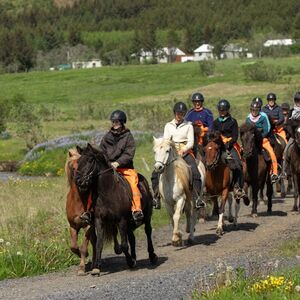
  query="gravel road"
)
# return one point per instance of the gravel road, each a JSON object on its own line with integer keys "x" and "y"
{"x": 179, "y": 270}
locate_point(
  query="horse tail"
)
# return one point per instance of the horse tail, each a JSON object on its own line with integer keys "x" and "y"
{"x": 109, "y": 231}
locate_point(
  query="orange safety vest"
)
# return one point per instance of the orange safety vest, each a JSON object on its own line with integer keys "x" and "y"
{"x": 236, "y": 145}
{"x": 203, "y": 131}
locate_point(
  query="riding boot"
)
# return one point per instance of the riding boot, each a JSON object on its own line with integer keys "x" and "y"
{"x": 86, "y": 217}
{"x": 155, "y": 188}
{"x": 197, "y": 185}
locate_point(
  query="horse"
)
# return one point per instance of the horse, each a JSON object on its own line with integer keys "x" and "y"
{"x": 256, "y": 169}
{"x": 74, "y": 208}
{"x": 112, "y": 208}
{"x": 218, "y": 178}
{"x": 175, "y": 187}
{"x": 295, "y": 168}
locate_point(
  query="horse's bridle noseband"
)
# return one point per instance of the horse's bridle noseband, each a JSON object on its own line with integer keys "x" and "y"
{"x": 215, "y": 162}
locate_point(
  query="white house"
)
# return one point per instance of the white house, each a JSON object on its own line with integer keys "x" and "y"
{"x": 163, "y": 55}
{"x": 279, "y": 42}
{"x": 234, "y": 51}
{"x": 204, "y": 52}
{"x": 94, "y": 63}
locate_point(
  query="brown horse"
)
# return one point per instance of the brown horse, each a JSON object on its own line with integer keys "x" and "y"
{"x": 256, "y": 169}
{"x": 295, "y": 168}
{"x": 218, "y": 179}
{"x": 76, "y": 204}
{"x": 74, "y": 208}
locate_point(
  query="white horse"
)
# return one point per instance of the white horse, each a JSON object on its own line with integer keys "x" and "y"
{"x": 174, "y": 186}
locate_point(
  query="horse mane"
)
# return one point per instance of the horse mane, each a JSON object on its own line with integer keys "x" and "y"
{"x": 182, "y": 169}
{"x": 214, "y": 136}
{"x": 72, "y": 155}
{"x": 245, "y": 127}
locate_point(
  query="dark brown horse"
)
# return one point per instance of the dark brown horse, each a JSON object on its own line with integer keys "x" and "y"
{"x": 256, "y": 169}
{"x": 218, "y": 179}
{"x": 76, "y": 204}
{"x": 295, "y": 168}
{"x": 113, "y": 205}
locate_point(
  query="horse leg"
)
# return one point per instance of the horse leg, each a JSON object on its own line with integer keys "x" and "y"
{"x": 296, "y": 192}
{"x": 131, "y": 239}
{"x": 84, "y": 251}
{"x": 255, "y": 190}
{"x": 269, "y": 194}
{"x": 177, "y": 236}
{"x": 282, "y": 189}
{"x": 220, "y": 230}
{"x": 237, "y": 207}
{"x": 188, "y": 208}
{"x": 123, "y": 229}
{"x": 148, "y": 230}
{"x": 117, "y": 246}
{"x": 194, "y": 217}
{"x": 74, "y": 239}
{"x": 99, "y": 246}
{"x": 230, "y": 216}
{"x": 290, "y": 184}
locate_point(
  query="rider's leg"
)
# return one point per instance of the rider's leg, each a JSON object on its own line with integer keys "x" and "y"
{"x": 132, "y": 177}
{"x": 155, "y": 188}
{"x": 197, "y": 183}
{"x": 268, "y": 147}
{"x": 86, "y": 216}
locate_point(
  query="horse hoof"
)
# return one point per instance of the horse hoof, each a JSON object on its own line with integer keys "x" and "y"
{"x": 153, "y": 259}
{"x": 118, "y": 250}
{"x": 230, "y": 219}
{"x": 190, "y": 241}
{"x": 177, "y": 243}
{"x": 219, "y": 232}
{"x": 81, "y": 272}
{"x": 131, "y": 263}
{"x": 269, "y": 212}
{"x": 201, "y": 221}
{"x": 254, "y": 215}
{"x": 95, "y": 272}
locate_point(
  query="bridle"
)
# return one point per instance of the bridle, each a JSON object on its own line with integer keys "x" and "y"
{"x": 216, "y": 160}
{"x": 167, "y": 163}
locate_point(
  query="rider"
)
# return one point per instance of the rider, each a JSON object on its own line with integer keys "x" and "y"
{"x": 275, "y": 115}
{"x": 200, "y": 117}
{"x": 292, "y": 122}
{"x": 261, "y": 121}
{"x": 228, "y": 128}
{"x": 182, "y": 134}
{"x": 119, "y": 146}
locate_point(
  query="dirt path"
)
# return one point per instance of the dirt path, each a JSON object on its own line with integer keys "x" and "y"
{"x": 179, "y": 269}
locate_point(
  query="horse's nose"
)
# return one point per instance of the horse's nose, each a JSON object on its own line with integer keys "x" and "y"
{"x": 158, "y": 167}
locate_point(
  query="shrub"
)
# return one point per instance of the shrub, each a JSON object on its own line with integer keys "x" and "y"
{"x": 207, "y": 67}
{"x": 259, "y": 71}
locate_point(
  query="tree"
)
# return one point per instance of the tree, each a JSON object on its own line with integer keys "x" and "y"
{"x": 74, "y": 37}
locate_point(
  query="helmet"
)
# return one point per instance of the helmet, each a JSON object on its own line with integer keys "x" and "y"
{"x": 257, "y": 100}
{"x": 118, "y": 115}
{"x": 255, "y": 105}
{"x": 223, "y": 105}
{"x": 179, "y": 107}
{"x": 197, "y": 97}
{"x": 297, "y": 97}
{"x": 271, "y": 96}
{"x": 285, "y": 106}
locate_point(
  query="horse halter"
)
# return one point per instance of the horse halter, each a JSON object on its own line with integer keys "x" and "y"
{"x": 165, "y": 164}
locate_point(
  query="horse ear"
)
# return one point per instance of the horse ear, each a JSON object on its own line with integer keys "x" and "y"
{"x": 79, "y": 150}
{"x": 154, "y": 139}
{"x": 89, "y": 147}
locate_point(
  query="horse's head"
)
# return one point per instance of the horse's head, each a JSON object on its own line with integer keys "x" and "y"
{"x": 90, "y": 163}
{"x": 212, "y": 148}
{"x": 297, "y": 136}
{"x": 71, "y": 165}
{"x": 248, "y": 139}
{"x": 164, "y": 153}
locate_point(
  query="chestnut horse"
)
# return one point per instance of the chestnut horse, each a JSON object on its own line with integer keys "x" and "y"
{"x": 113, "y": 197}
{"x": 256, "y": 169}
{"x": 74, "y": 208}
{"x": 218, "y": 176}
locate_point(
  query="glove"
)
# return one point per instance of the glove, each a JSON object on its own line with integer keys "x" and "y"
{"x": 114, "y": 164}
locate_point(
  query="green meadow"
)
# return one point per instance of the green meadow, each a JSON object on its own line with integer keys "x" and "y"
{"x": 33, "y": 226}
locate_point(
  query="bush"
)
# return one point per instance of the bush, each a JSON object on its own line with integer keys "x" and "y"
{"x": 259, "y": 71}
{"x": 207, "y": 67}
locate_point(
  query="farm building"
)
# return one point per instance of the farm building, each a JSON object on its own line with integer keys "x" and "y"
{"x": 279, "y": 42}
{"x": 204, "y": 52}
{"x": 95, "y": 63}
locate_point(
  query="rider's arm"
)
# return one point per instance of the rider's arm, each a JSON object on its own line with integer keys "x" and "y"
{"x": 280, "y": 116}
{"x": 234, "y": 133}
{"x": 265, "y": 126}
{"x": 210, "y": 120}
{"x": 190, "y": 138}
{"x": 128, "y": 153}
{"x": 268, "y": 124}
{"x": 167, "y": 131}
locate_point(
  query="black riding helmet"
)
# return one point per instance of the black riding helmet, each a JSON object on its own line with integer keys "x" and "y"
{"x": 180, "y": 107}
{"x": 257, "y": 100}
{"x": 223, "y": 105}
{"x": 271, "y": 97}
{"x": 297, "y": 97}
{"x": 118, "y": 115}
{"x": 197, "y": 97}
{"x": 285, "y": 106}
{"x": 255, "y": 106}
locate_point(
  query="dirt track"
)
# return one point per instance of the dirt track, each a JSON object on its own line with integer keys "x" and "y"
{"x": 179, "y": 270}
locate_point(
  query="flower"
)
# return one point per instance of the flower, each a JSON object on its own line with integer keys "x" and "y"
{"x": 7, "y": 244}
{"x": 1, "y": 241}
{"x": 19, "y": 253}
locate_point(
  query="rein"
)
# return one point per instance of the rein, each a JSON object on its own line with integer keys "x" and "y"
{"x": 215, "y": 162}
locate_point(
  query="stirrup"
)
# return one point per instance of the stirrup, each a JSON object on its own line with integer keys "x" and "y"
{"x": 199, "y": 203}
{"x": 274, "y": 178}
{"x": 156, "y": 203}
{"x": 86, "y": 217}
{"x": 138, "y": 217}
